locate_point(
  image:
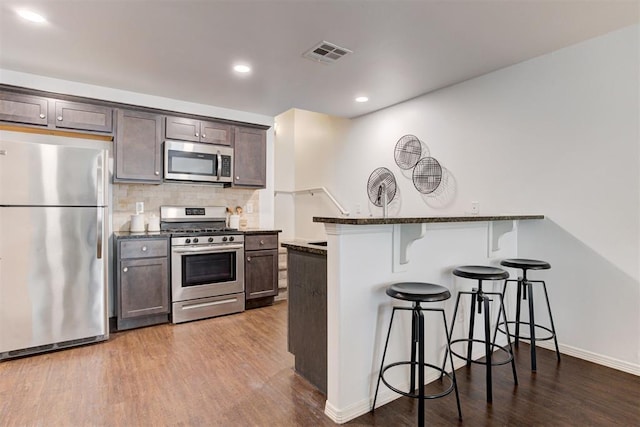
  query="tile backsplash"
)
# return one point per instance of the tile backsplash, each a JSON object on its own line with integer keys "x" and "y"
{"x": 125, "y": 197}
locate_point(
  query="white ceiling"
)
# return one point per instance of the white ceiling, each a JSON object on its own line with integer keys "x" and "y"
{"x": 185, "y": 49}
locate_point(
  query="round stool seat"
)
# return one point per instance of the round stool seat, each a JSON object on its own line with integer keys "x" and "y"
{"x": 418, "y": 292}
{"x": 528, "y": 264}
{"x": 480, "y": 272}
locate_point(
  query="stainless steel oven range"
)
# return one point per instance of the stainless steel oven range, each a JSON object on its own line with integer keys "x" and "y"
{"x": 207, "y": 262}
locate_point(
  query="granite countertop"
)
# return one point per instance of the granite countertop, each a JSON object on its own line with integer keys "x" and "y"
{"x": 421, "y": 220}
{"x": 140, "y": 235}
{"x": 147, "y": 234}
{"x": 305, "y": 246}
{"x": 260, "y": 231}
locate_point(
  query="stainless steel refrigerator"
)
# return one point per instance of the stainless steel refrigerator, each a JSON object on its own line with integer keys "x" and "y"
{"x": 54, "y": 228}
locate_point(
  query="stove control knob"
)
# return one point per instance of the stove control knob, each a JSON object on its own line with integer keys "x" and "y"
{"x": 210, "y": 239}
{"x": 224, "y": 239}
{"x": 187, "y": 240}
{"x": 195, "y": 240}
{"x": 231, "y": 239}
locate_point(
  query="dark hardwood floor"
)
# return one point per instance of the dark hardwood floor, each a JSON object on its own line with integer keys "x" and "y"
{"x": 235, "y": 371}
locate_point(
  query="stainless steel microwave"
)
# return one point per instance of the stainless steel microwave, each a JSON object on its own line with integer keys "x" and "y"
{"x": 195, "y": 162}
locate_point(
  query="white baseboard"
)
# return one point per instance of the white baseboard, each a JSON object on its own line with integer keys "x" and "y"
{"x": 362, "y": 407}
{"x": 599, "y": 359}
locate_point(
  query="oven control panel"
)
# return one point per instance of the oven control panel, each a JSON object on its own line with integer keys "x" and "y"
{"x": 204, "y": 240}
{"x": 194, "y": 211}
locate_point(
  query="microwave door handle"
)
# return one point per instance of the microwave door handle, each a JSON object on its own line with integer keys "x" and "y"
{"x": 221, "y": 248}
{"x": 219, "y": 165}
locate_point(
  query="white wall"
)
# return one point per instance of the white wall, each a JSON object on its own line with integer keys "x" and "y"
{"x": 308, "y": 145}
{"x": 557, "y": 135}
{"x": 284, "y": 175}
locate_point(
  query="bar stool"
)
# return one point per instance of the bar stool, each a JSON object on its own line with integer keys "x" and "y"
{"x": 418, "y": 292}
{"x": 481, "y": 297}
{"x": 525, "y": 289}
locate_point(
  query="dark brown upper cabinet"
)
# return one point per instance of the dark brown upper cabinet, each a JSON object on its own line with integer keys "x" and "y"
{"x": 79, "y": 116}
{"x": 187, "y": 129}
{"x": 27, "y": 109}
{"x": 250, "y": 157}
{"x": 138, "y": 147}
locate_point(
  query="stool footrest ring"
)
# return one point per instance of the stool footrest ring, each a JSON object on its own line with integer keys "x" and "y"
{"x": 414, "y": 395}
{"x": 493, "y": 348}
{"x": 525, "y": 337}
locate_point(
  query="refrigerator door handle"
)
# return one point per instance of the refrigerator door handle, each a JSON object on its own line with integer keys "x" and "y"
{"x": 99, "y": 239}
{"x": 100, "y": 179}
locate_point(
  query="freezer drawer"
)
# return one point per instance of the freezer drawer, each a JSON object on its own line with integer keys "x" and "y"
{"x": 52, "y": 278}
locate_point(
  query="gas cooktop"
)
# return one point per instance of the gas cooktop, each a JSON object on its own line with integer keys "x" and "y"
{"x": 183, "y": 221}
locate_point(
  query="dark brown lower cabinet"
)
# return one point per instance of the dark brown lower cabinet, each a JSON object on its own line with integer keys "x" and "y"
{"x": 142, "y": 282}
{"x": 307, "y": 288}
{"x": 260, "y": 269}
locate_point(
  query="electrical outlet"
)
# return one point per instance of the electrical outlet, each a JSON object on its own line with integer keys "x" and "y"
{"x": 139, "y": 207}
{"x": 358, "y": 209}
{"x": 249, "y": 208}
{"x": 475, "y": 208}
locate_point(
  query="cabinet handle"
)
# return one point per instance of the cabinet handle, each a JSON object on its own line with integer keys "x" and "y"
{"x": 157, "y": 172}
{"x": 204, "y": 136}
{"x": 237, "y": 177}
{"x": 144, "y": 249}
{"x": 42, "y": 116}
{"x": 59, "y": 118}
{"x": 197, "y": 134}
{"x": 261, "y": 242}
{"x": 248, "y": 259}
{"x": 125, "y": 269}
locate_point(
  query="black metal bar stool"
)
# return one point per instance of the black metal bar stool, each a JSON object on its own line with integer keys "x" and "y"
{"x": 481, "y": 297}
{"x": 525, "y": 290}
{"x": 418, "y": 292}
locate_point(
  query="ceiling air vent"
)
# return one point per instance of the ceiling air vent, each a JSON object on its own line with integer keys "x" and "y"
{"x": 326, "y": 52}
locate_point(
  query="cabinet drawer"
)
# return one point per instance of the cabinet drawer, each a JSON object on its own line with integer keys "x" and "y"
{"x": 260, "y": 241}
{"x": 143, "y": 248}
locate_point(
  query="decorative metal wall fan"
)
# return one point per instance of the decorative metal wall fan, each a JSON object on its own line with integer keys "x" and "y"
{"x": 408, "y": 152}
{"x": 427, "y": 175}
{"x": 381, "y": 181}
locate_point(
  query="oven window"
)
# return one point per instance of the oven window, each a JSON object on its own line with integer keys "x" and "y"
{"x": 204, "y": 269}
{"x": 192, "y": 163}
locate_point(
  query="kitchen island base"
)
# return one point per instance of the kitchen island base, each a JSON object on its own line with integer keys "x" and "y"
{"x": 361, "y": 264}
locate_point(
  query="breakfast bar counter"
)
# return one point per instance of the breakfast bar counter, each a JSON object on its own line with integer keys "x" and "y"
{"x": 364, "y": 256}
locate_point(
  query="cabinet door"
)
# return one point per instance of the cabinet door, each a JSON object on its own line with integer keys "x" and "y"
{"x": 138, "y": 147}
{"x": 261, "y": 274}
{"x": 74, "y": 115}
{"x": 143, "y": 287}
{"x": 250, "y": 157}
{"x": 215, "y": 133}
{"x": 307, "y": 321}
{"x": 23, "y": 109}
{"x": 183, "y": 128}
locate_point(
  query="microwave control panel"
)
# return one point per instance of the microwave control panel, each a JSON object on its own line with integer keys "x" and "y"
{"x": 226, "y": 166}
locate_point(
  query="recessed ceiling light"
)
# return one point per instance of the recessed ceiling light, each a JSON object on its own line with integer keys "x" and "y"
{"x": 362, "y": 99}
{"x": 30, "y": 15}
{"x": 241, "y": 68}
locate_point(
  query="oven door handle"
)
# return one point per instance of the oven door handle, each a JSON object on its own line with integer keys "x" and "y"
{"x": 208, "y": 249}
